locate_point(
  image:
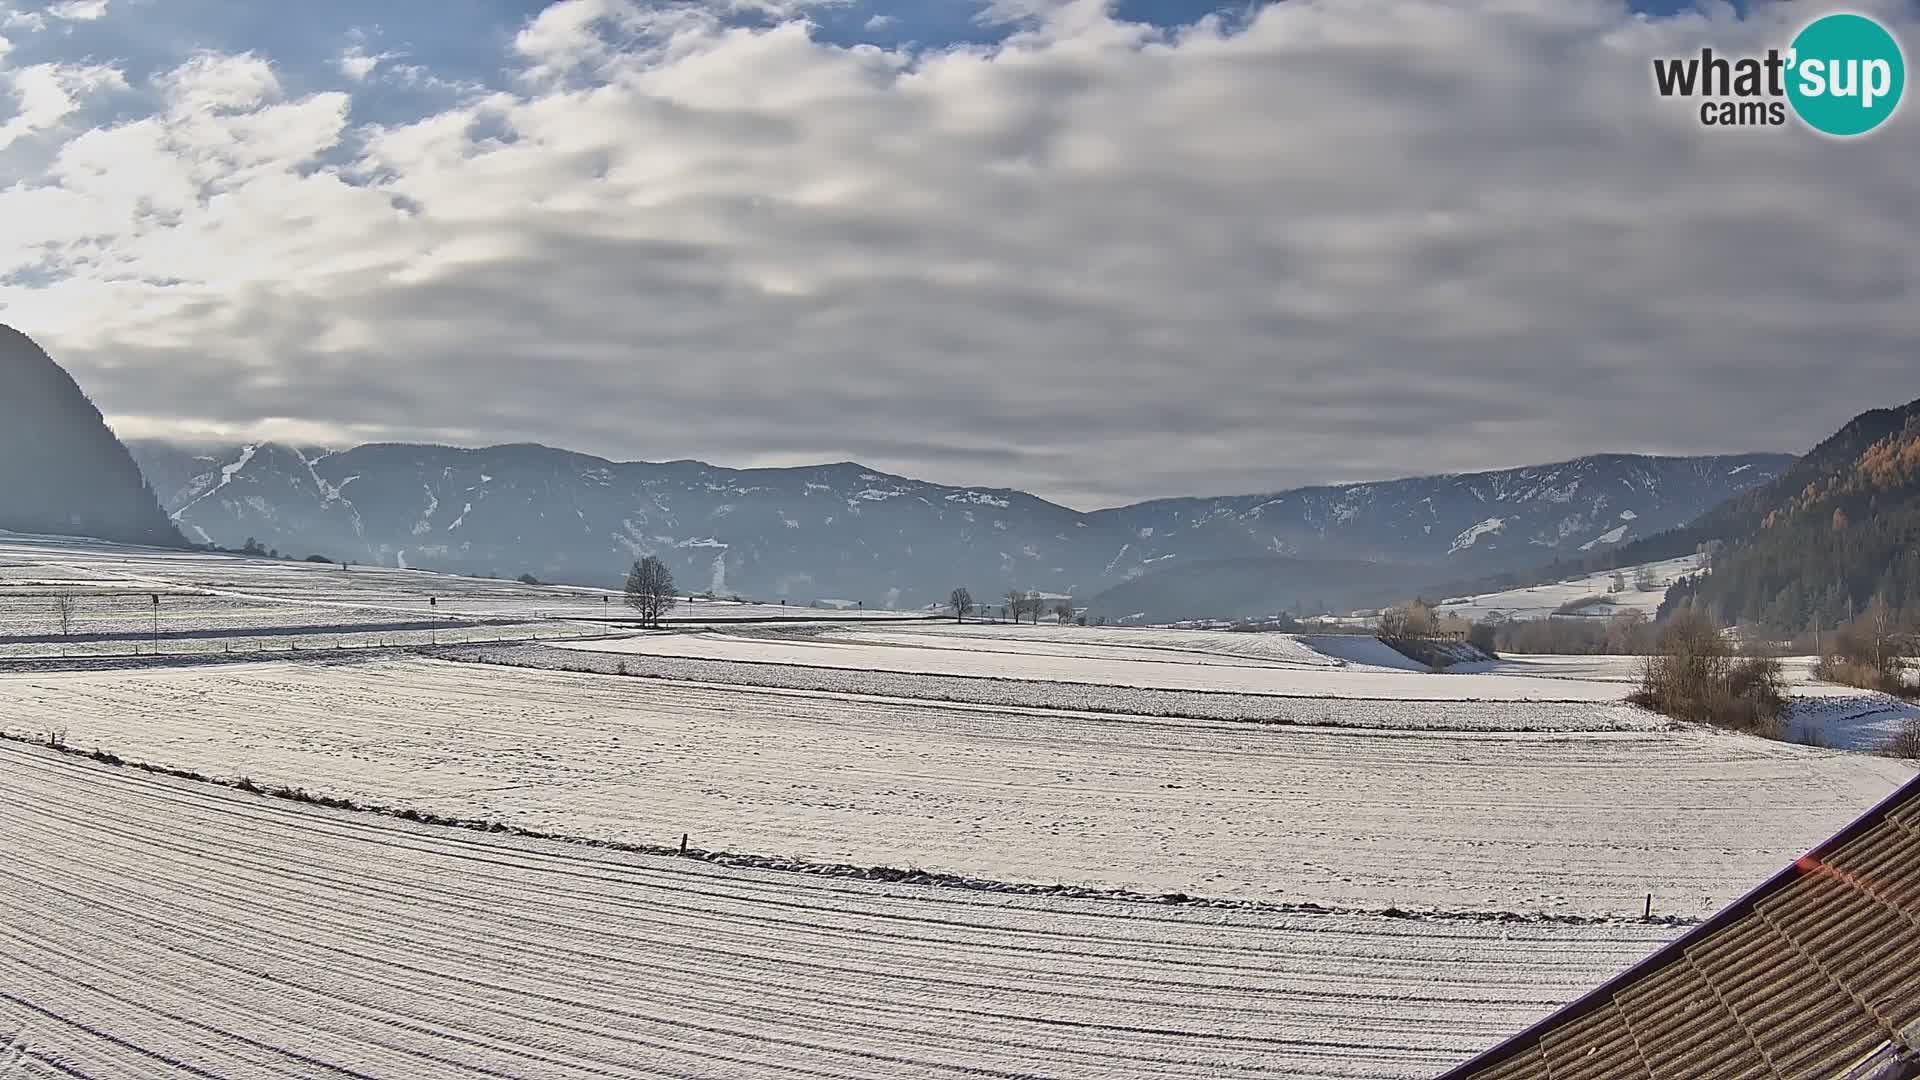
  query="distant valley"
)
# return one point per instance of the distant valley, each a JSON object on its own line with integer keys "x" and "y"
{"x": 851, "y": 533}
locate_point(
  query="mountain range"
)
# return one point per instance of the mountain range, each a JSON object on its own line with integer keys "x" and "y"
{"x": 841, "y": 532}
{"x": 848, "y": 532}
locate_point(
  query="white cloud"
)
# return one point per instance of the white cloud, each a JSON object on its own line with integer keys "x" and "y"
{"x": 356, "y": 63}
{"x": 29, "y": 21}
{"x": 1351, "y": 239}
{"x": 212, "y": 82}
{"x": 79, "y": 10}
{"x": 45, "y": 95}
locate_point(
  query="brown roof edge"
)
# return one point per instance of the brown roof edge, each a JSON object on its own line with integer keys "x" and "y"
{"x": 1675, "y": 949}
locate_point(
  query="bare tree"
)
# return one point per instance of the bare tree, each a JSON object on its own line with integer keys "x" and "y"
{"x": 1063, "y": 611}
{"x": 1016, "y": 604}
{"x": 1883, "y": 653}
{"x": 961, "y": 601}
{"x": 650, "y": 590}
{"x": 1404, "y": 622}
{"x": 1627, "y": 633}
{"x": 1643, "y": 579}
{"x": 63, "y": 610}
{"x": 1035, "y": 605}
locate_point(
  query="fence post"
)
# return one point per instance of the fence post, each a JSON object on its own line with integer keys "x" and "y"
{"x": 1648, "y": 917}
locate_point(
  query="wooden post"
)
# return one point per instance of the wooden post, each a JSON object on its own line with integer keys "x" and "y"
{"x": 1648, "y": 917}
{"x": 683, "y": 843}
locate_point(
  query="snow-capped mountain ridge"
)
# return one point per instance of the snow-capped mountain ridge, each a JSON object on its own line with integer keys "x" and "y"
{"x": 845, "y": 529}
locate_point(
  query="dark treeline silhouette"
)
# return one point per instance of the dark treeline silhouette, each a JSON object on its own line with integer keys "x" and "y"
{"x": 61, "y": 469}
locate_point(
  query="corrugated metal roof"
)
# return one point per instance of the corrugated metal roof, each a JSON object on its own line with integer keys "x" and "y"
{"x": 1811, "y": 976}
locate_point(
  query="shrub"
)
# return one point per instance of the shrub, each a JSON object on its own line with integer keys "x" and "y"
{"x": 1485, "y": 637}
{"x": 1581, "y": 603}
{"x": 1905, "y": 744}
{"x": 1696, "y": 677}
{"x": 1868, "y": 653}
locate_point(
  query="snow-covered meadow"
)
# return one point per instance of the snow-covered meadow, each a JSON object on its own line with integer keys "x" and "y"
{"x": 1349, "y": 816}
{"x": 1541, "y": 601}
{"x": 82, "y": 598}
{"x": 152, "y": 928}
{"x": 1105, "y": 658}
{"x": 1368, "y": 870}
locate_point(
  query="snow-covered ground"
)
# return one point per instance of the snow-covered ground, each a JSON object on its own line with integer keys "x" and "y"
{"x": 1011, "y": 655}
{"x": 1379, "y": 714}
{"x": 153, "y": 928}
{"x": 1105, "y": 642}
{"x": 228, "y": 603}
{"x": 1584, "y": 822}
{"x": 1540, "y": 601}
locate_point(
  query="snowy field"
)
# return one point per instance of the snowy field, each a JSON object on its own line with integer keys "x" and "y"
{"x": 1374, "y": 713}
{"x": 212, "y": 603}
{"x": 1540, "y": 601}
{"x": 1583, "y": 822}
{"x": 1012, "y": 655}
{"x": 34, "y": 563}
{"x": 154, "y": 928}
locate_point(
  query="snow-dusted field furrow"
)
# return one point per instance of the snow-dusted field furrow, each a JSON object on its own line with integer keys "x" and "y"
{"x": 158, "y": 928}
{"x": 1088, "y": 642}
{"x": 854, "y": 652}
{"x": 1379, "y": 713}
{"x": 1586, "y": 822}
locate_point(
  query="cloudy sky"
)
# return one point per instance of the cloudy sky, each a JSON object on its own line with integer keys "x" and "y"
{"x": 1100, "y": 252}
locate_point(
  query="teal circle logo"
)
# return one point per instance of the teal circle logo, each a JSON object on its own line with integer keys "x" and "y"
{"x": 1846, "y": 74}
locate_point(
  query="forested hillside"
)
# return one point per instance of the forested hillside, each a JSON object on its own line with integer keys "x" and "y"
{"x": 61, "y": 468}
{"x": 1815, "y": 547}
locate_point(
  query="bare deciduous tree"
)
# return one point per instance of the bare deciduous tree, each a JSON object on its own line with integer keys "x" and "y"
{"x": 961, "y": 601}
{"x": 650, "y": 590}
{"x": 1403, "y": 622}
{"x": 63, "y": 610}
{"x": 1063, "y": 611}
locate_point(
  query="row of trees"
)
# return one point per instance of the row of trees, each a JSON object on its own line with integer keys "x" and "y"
{"x": 1019, "y": 605}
